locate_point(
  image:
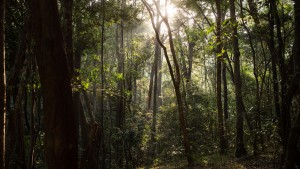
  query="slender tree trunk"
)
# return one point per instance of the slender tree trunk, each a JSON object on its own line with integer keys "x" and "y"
{"x": 222, "y": 143}
{"x": 285, "y": 104}
{"x": 157, "y": 55}
{"x": 190, "y": 62}
{"x": 159, "y": 79}
{"x": 120, "y": 115}
{"x": 271, "y": 46}
{"x": 102, "y": 86}
{"x": 176, "y": 79}
{"x": 150, "y": 91}
{"x": 225, "y": 91}
{"x": 240, "y": 148}
{"x": 78, "y": 108}
{"x": 94, "y": 96}
{"x": 254, "y": 131}
{"x": 2, "y": 86}
{"x": 61, "y": 138}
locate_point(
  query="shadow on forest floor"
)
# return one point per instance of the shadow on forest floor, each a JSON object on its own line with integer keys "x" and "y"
{"x": 223, "y": 162}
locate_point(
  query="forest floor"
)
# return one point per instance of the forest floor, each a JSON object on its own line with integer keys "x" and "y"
{"x": 222, "y": 162}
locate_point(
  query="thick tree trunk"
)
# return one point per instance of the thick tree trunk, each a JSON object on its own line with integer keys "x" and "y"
{"x": 2, "y": 86}
{"x": 31, "y": 154}
{"x": 240, "y": 148}
{"x": 67, "y": 8}
{"x": 291, "y": 150}
{"x": 293, "y": 137}
{"x": 17, "y": 118}
{"x": 61, "y": 138}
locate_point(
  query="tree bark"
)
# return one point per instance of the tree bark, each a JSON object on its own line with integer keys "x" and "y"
{"x": 225, "y": 91}
{"x": 61, "y": 139}
{"x": 31, "y": 154}
{"x": 240, "y": 148}
{"x": 150, "y": 91}
{"x": 222, "y": 145}
{"x": 102, "y": 86}
{"x": 2, "y": 86}
{"x": 67, "y": 6}
{"x": 157, "y": 55}
{"x": 293, "y": 137}
{"x": 120, "y": 114}
{"x": 271, "y": 46}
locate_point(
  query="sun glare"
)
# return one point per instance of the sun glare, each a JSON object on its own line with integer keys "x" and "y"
{"x": 170, "y": 10}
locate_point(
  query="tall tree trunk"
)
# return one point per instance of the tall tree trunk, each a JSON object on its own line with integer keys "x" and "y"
{"x": 254, "y": 131}
{"x": 283, "y": 109}
{"x": 2, "y": 86}
{"x": 271, "y": 46}
{"x": 78, "y": 50}
{"x": 293, "y": 137}
{"x": 159, "y": 78}
{"x": 102, "y": 86}
{"x": 120, "y": 115}
{"x": 61, "y": 138}
{"x": 285, "y": 104}
{"x": 240, "y": 148}
{"x": 222, "y": 144}
{"x": 176, "y": 79}
{"x": 157, "y": 55}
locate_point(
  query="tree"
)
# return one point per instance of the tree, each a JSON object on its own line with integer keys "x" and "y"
{"x": 67, "y": 8}
{"x": 156, "y": 86}
{"x": 2, "y": 86}
{"x": 219, "y": 54}
{"x": 61, "y": 138}
{"x": 120, "y": 114}
{"x": 102, "y": 83}
{"x": 175, "y": 76}
{"x": 240, "y": 148}
{"x": 292, "y": 152}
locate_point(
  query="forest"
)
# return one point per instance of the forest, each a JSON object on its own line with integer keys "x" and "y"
{"x": 149, "y": 84}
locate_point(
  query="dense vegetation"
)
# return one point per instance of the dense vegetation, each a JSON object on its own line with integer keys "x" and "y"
{"x": 149, "y": 84}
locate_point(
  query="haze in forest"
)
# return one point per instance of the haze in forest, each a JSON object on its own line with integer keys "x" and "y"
{"x": 124, "y": 84}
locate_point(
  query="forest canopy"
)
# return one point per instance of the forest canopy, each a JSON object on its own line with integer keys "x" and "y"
{"x": 88, "y": 84}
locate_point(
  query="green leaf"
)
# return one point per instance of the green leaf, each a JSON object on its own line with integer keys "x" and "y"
{"x": 119, "y": 76}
